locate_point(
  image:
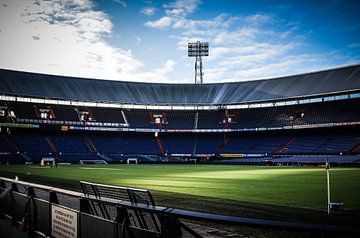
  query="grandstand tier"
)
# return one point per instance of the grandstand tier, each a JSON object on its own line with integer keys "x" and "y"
{"x": 33, "y": 145}
{"x": 318, "y": 114}
{"x": 72, "y": 119}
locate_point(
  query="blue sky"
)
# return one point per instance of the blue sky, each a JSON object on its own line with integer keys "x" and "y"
{"x": 146, "y": 40}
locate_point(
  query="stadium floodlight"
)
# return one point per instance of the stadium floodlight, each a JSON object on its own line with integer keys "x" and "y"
{"x": 197, "y": 50}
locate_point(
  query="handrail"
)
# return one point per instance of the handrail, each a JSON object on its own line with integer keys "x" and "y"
{"x": 113, "y": 186}
{"x": 5, "y": 192}
{"x": 45, "y": 187}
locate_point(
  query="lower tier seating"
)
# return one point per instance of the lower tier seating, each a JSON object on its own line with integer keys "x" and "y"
{"x": 72, "y": 147}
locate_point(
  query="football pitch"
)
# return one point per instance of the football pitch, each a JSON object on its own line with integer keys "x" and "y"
{"x": 284, "y": 186}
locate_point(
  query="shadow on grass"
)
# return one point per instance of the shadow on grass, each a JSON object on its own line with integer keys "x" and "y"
{"x": 219, "y": 206}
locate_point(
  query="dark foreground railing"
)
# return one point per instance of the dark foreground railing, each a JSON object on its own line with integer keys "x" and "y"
{"x": 29, "y": 209}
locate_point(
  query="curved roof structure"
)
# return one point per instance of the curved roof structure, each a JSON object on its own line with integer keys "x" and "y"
{"x": 94, "y": 90}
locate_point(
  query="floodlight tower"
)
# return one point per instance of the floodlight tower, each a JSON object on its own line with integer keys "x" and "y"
{"x": 197, "y": 50}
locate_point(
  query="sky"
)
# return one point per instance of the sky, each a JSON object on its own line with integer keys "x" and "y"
{"x": 144, "y": 40}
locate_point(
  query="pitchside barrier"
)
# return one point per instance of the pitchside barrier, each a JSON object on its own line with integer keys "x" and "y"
{"x": 33, "y": 210}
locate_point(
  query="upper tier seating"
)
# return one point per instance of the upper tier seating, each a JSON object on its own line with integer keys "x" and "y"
{"x": 107, "y": 115}
{"x": 304, "y": 114}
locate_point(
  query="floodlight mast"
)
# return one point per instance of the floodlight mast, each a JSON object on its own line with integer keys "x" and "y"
{"x": 197, "y": 50}
{"x": 198, "y": 70}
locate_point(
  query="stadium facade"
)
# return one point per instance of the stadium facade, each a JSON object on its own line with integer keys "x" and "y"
{"x": 303, "y": 118}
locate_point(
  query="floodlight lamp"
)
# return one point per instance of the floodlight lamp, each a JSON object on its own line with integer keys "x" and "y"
{"x": 198, "y": 49}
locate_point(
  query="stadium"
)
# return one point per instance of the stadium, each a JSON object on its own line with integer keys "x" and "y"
{"x": 242, "y": 150}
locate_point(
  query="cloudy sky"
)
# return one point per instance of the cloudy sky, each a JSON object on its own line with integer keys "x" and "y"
{"x": 143, "y": 40}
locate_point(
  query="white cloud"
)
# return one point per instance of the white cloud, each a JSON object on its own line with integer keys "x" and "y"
{"x": 70, "y": 37}
{"x": 162, "y": 23}
{"x": 257, "y": 19}
{"x": 66, "y": 37}
{"x": 121, "y": 2}
{"x": 272, "y": 69}
{"x": 138, "y": 40}
{"x": 242, "y": 34}
{"x": 183, "y": 7}
{"x": 161, "y": 74}
{"x": 243, "y": 47}
{"x": 265, "y": 51}
{"x": 175, "y": 14}
{"x": 354, "y": 45}
{"x": 148, "y": 11}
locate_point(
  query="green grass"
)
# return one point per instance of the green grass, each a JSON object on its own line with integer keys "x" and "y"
{"x": 284, "y": 193}
{"x": 285, "y": 186}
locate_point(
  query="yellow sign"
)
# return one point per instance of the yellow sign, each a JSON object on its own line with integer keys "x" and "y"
{"x": 232, "y": 155}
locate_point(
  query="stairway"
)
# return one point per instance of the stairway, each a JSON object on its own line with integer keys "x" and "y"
{"x": 25, "y": 157}
{"x": 222, "y": 146}
{"x": 90, "y": 145}
{"x": 124, "y": 117}
{"x": 196, "y": 121}
{"x": 104, "y": 157}
{"x": 282, "y": 148}
{"x": 355, "y": 148}
{"x": 160, "y": 145}
{"x": 195, "y": 145}
{"x": 51, "y": 144}
{"x": 11, "y": 143}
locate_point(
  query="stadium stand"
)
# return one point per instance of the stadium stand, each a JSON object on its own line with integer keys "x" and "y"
{"x": 325, "y": 143}
{"x": 312, "y": 115}
{"x": 125, "y": 144}
{"x": 117, "y": 146}
{"x": 255, "y": 144}
{"x": 178, "y": 144}
{"x": 139, "y": 119}
{"x": 180, "y": 120}
{"x": 305, "y": 114}
{"x": 295, "y": 160}
{"x": 23, "y": 110}
{"x": 4, "y": 145}
{"x": 31, "y": 143}
{"x": 205, "y": 144}
{"x": 107, "y": 115}
{"x": 64, "y": 113}
{"x": 317, "y": 159}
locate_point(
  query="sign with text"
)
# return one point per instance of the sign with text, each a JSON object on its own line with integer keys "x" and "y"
{"x": 64, "y": 222}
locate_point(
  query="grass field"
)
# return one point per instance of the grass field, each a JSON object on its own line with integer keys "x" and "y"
{"x": 284, "y": 193}
{"x": 214, "y": 188}
{"x": 298, "y": 187}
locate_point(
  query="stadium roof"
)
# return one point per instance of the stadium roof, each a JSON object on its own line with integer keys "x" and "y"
{"x": 80, "y": 89}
